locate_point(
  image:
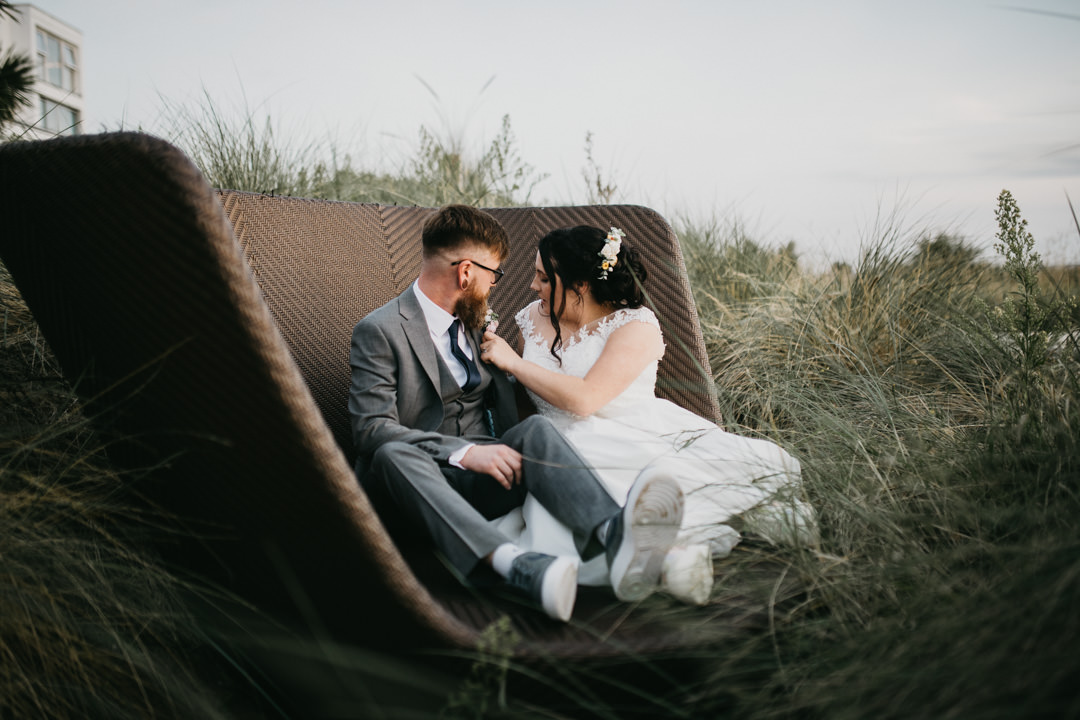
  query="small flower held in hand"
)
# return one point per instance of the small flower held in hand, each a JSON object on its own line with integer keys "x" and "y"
{"x": 491, "y": 321}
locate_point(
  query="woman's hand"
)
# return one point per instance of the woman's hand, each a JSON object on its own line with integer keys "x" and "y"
{"x": 495, "y": 351}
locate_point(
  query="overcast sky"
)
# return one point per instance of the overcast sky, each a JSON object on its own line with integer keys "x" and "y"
{"x": 802, "y": 120}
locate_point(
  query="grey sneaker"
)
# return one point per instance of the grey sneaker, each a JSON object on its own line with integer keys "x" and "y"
{"x": 641, "y": 534}
{"x": 549, "y": 582}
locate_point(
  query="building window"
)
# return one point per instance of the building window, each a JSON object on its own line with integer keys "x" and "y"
{"x": 56, "y": 61}
{"x": 58, "y": 119}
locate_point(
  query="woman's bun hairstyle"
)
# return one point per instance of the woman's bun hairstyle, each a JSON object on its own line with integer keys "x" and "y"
{"x": 575, "y": 256}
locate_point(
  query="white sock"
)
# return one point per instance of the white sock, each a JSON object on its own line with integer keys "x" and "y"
{"x": 602, "y": 531}
{"x": 503, "y": 558}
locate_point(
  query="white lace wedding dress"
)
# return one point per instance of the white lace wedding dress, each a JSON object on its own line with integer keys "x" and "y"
{"x": 722, "y": 475}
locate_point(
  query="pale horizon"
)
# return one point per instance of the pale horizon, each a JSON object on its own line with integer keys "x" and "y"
{"x": 802, "y": 122}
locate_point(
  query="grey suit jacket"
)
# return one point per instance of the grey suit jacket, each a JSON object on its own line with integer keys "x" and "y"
{"x": 395, "y": 393}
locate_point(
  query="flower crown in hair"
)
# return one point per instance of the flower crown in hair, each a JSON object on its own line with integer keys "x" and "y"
{"x": 609, "y": 254}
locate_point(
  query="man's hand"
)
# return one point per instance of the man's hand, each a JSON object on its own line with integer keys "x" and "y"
{"x": 501, "y": 462}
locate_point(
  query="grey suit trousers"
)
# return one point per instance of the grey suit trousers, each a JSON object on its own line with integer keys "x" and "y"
{"x": 455, "y": 505}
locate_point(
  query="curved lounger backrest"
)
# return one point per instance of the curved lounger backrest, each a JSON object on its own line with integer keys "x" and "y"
{"x": 323, "y": 265}
{"x": 200, "y": 364}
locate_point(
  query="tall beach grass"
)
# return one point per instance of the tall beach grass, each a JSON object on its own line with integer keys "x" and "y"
{"x": 91, "y": 624}
{"x": 947, "y": 493}
{"x": 929, "y": 391}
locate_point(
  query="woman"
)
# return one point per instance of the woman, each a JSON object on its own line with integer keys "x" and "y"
{"x": 590, "y": 353}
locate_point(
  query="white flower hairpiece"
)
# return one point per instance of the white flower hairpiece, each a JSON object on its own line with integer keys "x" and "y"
{"x": 609, "y": 254}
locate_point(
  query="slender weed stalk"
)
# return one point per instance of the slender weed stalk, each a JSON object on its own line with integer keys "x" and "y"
{"x": 442, "y": 171}
{"x": 242, "y": 148}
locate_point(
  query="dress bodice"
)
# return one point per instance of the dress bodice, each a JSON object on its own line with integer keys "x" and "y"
{"x": 722, "y": 475}
{"x": 579, "y": 352}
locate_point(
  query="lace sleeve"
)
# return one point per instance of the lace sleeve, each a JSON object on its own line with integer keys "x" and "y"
{"x": 524, "y": 320}
{"x": 621, "y": 317}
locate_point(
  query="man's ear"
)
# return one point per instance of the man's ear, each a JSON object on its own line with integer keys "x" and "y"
{"x": 461, "y": 276}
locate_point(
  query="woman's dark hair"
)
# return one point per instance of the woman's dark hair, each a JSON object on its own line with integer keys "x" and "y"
{"x": 573, "y": 255}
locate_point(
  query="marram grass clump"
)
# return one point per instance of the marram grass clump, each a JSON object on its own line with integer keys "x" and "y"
{"x": 937, "y": 425}
{"x": 91, "y": 624}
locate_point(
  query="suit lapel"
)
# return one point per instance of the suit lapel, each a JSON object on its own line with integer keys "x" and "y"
{"x": 416, "y": 331}
{"x": 500, "y": 398}
{"x": 500, "y": 395}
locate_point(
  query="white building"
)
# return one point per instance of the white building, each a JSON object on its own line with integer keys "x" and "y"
{"x": 55, "y": 49}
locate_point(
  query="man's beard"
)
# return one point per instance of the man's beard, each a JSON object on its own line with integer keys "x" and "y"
{"x": 471, "y": 309}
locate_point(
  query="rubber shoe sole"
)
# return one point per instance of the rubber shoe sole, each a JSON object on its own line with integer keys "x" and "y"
{"x": 650, "y": 521}
{"x": 559, "y": 589}
{"x": 547, "y": 582}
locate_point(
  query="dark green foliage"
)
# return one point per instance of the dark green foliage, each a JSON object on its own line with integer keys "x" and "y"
{"x": 932, "y": 398}
{"x": 16, "y": 79}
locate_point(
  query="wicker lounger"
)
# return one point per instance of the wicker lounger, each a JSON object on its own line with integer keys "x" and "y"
{"x": 209, "y": 330}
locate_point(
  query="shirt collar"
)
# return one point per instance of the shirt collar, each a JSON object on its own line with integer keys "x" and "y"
{"x": 438, "y": 320}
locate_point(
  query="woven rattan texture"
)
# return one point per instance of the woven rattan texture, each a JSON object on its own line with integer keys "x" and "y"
{"x": 144, "y": 296}
{"x": 210, "y": 333}
{"x": 403, "y": 226}
{"x": 323, "y": 265}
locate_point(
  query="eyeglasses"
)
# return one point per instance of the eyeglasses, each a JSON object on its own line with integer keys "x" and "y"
{"x": 497, "y": 273}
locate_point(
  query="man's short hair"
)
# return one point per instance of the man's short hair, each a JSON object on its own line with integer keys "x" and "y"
{"x": 456, "y": 226}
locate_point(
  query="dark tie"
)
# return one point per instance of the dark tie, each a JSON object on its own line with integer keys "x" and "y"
{"x": 472, "y": 373}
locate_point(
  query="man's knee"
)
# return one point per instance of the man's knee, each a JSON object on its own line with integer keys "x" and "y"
{"x": 534, "y": 421}
{"x": 389, "y": 456}
{"x": 534, "y": 424}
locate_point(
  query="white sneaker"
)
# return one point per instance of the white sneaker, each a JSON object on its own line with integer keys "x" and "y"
{"x": 547, "y": 581}
{"x": 783, "y": 522}
{"x": 641, "y": 534}
{"x": 687, "y": 574}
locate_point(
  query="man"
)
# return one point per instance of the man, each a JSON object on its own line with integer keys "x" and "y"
{"x": 437, "y": 435}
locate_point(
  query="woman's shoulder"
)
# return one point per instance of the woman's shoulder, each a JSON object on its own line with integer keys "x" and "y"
{"x": 634, "y": 330}
{"x": 624, "y": 316}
